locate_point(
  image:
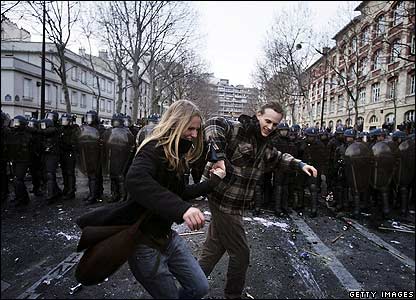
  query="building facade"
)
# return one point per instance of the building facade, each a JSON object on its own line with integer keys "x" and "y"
{"x": 88, "y": 78}
{"x": 370, "y": 70}
{"x": 233, "y": 100}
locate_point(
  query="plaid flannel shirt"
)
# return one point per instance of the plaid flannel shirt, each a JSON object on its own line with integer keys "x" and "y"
{"x": 245, "y": 161}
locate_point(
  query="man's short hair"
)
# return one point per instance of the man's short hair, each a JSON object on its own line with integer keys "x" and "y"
{"x": 276, "y": 106}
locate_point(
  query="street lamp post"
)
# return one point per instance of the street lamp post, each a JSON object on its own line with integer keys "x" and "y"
{"x": 42, "y": 88}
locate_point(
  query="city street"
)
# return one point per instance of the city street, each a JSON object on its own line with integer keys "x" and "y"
{"x": 293, "y": 257}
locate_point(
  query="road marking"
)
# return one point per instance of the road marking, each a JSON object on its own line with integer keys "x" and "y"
{"x": 381, "y": 243}
{"x": 346, "y": 279}
{"x": 56, "y": 273}
{"x": 4, "y": 285}
{"x": 304, "y": 273}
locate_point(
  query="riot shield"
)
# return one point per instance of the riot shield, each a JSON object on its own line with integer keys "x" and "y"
{"x": 396, "y": 153}
{"x": 117, "y": 152}
{"x": 407, "y": 162}
{"x": 89, "y": 150}
{"x": 359, "y": 163}
{"x": 384, "y": 165}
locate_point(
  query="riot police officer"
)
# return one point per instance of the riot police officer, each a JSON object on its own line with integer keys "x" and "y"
{"x": 36, "y": 166}
{"x": 129, "y": 124}
{"x": 68, "y": 143}
{"x": 312, "y": 151}
{"x": 49, "y": 129}
{"x": 90, "y": 152}
{"x": 19, "y": 144}
{"x": 4, "y": 178}
{"x": 341, "y": 194}
{"x": 118, "y": 151}
{"x": 336, "y": 141}
{"x": 282, "y": 178}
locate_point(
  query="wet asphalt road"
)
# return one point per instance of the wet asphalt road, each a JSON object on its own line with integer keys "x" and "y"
{"x": 291, "y": 257}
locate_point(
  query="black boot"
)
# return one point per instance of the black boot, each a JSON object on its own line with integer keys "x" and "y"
{"x": 277, "y": 192}
{"x": 70, "y": 194}
{"x": 314, "y": 200}
{"x": 357, "y": 208}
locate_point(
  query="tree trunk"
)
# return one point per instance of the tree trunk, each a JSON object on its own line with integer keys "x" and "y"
{"x": 64, "y": 84}
{"x": 120, "y": 92}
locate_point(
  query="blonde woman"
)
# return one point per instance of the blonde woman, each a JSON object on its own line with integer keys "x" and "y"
{"x": 155, "y": 181}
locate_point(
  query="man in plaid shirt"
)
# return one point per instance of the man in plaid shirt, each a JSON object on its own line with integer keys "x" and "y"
{"x": 245, "y": 152}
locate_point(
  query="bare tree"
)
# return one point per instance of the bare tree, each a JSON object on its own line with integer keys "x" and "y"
{"x": 350, "y": 63}
{"x": 61, "y": 16}
{"x": 8, "y": 7}
{"x": 200, "y": 91}
{"x": 281, "y": 74}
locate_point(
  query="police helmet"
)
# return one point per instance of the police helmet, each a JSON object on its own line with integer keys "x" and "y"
{"x": 91, "y": 117}
{"x": 350, "y": 133}
{"x": 127, "y": 121}
{"x": 117, "y": 120}
{"x": 19, "y": 122}
{"x": 5, "y": 119}
{"x": 311, "y": 131}
{"x": 45, "y": 123}
{"x": 33, "y": 123}
{"x": 53, "y": 115}
{"x": 399, "y": 135}
{"x": 66, "y": 119}
{"x": 340, "y": 129}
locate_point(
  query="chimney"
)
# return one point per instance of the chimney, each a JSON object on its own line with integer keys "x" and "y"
{"x": 81, "y": 51}
{"x": 103, "y": 54}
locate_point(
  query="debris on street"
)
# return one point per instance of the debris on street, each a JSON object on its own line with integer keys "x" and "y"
{"x": 75, "y": 289}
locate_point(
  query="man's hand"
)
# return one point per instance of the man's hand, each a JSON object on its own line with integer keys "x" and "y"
{"x": 310, "y": 170}
{"x": 194, "y": 218}
{"x": 218, "y": 165}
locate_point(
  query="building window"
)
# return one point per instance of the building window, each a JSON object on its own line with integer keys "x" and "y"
{"x": 395, "y": 50}
{"x": 340, "y": 103}
{"x": 392, "y": 88}
{"x": 362, "y": 67}
{"x": 380, "y": 25}
{"x": 74, "y": 73}
{"x": 412, "y": 45}
{"x": 109, "y": 105}
{"x": 361, "y": 95}
{"x": 325, "y": 106}
{"x": 83, "y": 100}
{"x": 351, "y": 73}
{"x": 110, "y": 86}
{"x": 411, "y": 83}
{"x": 94, "y": 103}
{"x": 398, "y": 13}
{"x": 409, "y": 115}
{"x": 389, "y": 118}
{"x": 102, "y": 84}
{"x": 102, "y": 105}
{"x": 63, "y": 97}
{"x": 348, "y": 122}
{"x": 354, "y": 44}
{"x": 56, "y": 93}
{"x": 318, "y": 109}
{"x": 375, "y": 96}
{"x": 373, "y": 119}
{"x": 27, "y": 88}
{"x": 332, "y": 83}
{"x": 74, "y": 98}
{"x": 313, "y": 111}
{"x": 94, "y": 81}
{"x": 331, "y": 105}
{"x": 377, "y": 59}
{"x": 47, "y": 95}
{"x": 84, "y": 76}
{"x": 365, "y": 36}
{"x": 318, "y": 91}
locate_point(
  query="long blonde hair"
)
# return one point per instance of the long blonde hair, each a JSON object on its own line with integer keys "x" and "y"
{"x": 169, "y": 130}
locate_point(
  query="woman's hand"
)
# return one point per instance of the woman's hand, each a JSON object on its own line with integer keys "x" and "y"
{"x": 218, "y": 169}
{"x": 310, "y": 170}
{"x": 194, "y": 218}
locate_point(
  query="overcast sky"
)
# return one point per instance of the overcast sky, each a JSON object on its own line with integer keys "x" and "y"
{"x": 235, "y": 31}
